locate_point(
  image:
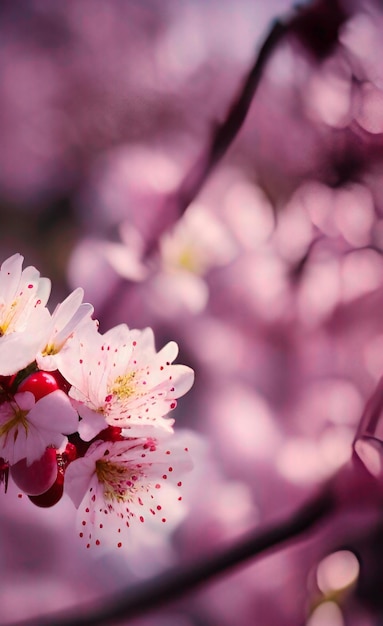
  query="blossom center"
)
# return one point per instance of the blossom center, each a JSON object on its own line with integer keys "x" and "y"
{"x": 8, "y": 317}
{"x": 17, "y": 419}
{"x": 124, "y": 387}
{"x": 187, "y": 260}
{"x": 117, "y": 480}
{"x": 50, "y": 350}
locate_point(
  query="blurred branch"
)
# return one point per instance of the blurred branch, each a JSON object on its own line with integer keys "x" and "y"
{"x": 224, "y": 134}
{"x": 168, "y": 587}
{"x": 220, "y": 141}
{"x": 228, "y": 130}
{"x": 316, "y": 25}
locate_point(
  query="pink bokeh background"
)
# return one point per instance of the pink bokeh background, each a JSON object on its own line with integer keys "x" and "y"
{"x": 271, "y": 282}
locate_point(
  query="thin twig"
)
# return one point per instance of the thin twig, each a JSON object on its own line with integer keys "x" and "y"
{"x": 171, "y": 586}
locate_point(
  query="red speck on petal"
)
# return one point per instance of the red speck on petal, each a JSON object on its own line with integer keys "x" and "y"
{"x": 119, "y": 545}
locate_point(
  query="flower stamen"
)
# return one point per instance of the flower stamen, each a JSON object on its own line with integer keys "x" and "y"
{"x": 17, "y": 420}
{"x": 124, "y": 387}
{"x": 117, "y": 480}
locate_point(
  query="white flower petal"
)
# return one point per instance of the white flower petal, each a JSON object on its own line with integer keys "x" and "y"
{"x": 119, "y": 485}
{"x": 10, "y": 273}
{"x": 121, "y": 377}
{"x": 91, "y": 424}
{"x": 55, "y": 413}
{"x": 17, "y": 350}
{"x": 183, "y": 379}
{"x": 78, "y": 477}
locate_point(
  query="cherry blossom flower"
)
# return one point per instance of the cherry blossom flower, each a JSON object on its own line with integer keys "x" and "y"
{"x": 198, "y": 243}
{"x": 126, "y": 483}
{"x": 120, "y": 380}
{"x": 23, "y": 315}
{"x": 68, "y": 315}
{"x": 28, "y": 427}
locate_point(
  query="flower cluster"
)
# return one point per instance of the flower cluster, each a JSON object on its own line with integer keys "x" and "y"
{"x": 86, "y": 413}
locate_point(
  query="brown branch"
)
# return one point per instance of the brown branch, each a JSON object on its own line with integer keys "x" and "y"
{"x": 227, "y": 132}
{"x": 223, "y": 136}
{"x": 172, "y": 585}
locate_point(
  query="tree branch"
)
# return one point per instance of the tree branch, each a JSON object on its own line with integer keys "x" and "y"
{"x": 223, "y": 136}
{"x": 228, "y": 130}
{"x": 218, "y": 145}
{"x": 170, "y": 586}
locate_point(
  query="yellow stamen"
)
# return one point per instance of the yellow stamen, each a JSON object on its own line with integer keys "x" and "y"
{"x": 49, "y": 350}
{"x": 8, "y": 318}
{"x": 188, "y": 260}
{"x": 124, "y": 387}
{"x": 18, "y": 419}
{"x": 117, "y": 481}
